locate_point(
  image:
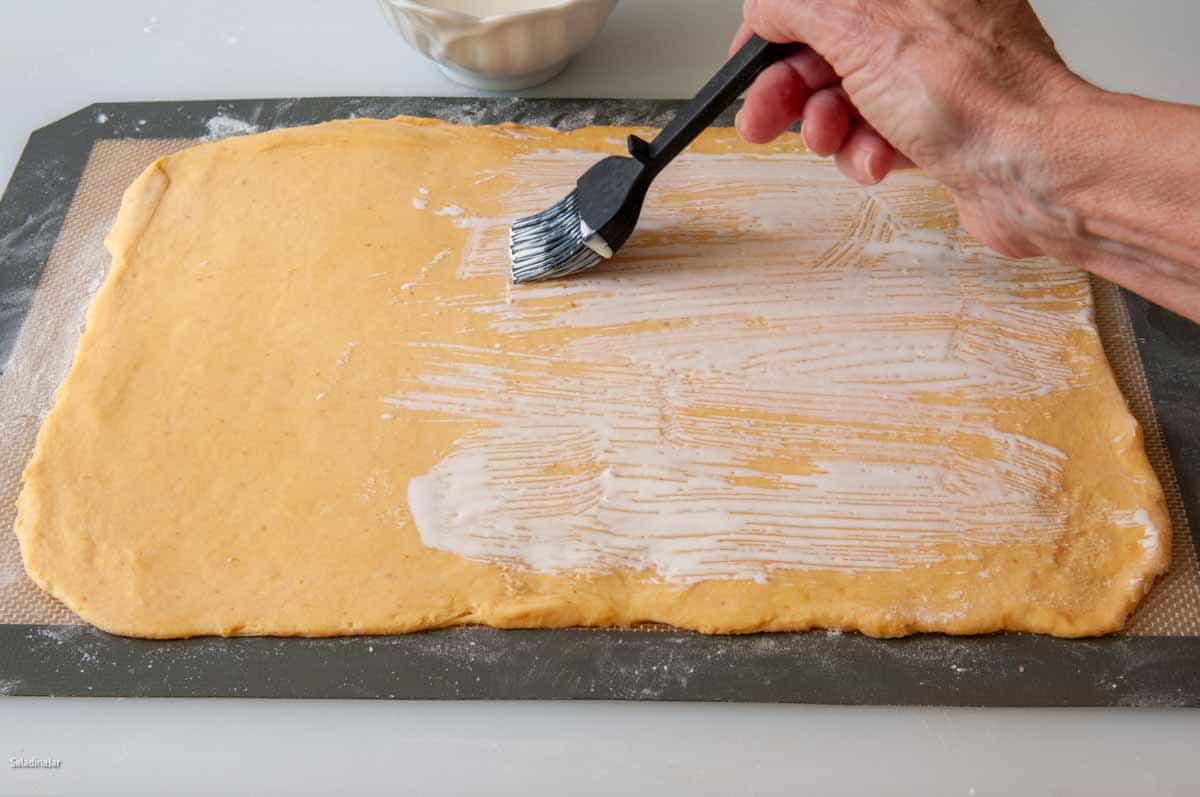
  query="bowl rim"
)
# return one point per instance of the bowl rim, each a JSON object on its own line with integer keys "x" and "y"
{"x": 426, "y": 6}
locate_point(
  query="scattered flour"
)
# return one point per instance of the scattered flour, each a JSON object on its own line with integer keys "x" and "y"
{"x": 221, "y": 126}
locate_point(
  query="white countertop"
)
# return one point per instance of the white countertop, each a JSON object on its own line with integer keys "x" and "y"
{"x": 56, "y": 58}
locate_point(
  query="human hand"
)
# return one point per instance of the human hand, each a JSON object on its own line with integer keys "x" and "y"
{"x": 952, "y": 86}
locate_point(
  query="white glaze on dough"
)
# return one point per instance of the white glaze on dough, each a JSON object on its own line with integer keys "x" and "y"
{"x": 1151, "y": 534}
{"x": 628, "y": 446}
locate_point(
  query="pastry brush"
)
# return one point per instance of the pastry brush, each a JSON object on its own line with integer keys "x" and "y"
{"x": 595, "y": 219}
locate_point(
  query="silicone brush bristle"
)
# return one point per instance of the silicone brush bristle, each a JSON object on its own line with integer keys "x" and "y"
{"x": 550, "y": 244}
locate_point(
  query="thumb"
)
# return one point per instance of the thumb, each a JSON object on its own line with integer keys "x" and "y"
{"x": 813, "y": 22}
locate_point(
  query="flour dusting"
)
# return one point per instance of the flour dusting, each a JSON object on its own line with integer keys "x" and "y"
{"x": 221, "y": 126}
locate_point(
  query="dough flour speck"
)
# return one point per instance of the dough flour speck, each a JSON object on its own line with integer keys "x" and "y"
{"x": 221, "y": 126}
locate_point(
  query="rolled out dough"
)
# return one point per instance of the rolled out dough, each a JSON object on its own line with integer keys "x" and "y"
{"x": 308, "y": 401}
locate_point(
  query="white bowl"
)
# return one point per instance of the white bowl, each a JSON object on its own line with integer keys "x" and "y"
{"x": 499, "y": 45}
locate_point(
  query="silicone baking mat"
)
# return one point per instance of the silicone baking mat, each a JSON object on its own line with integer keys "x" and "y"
{"x": 59, "y": 206}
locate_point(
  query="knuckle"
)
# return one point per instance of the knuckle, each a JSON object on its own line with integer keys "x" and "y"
{"x": 753, "y": 12}
{"x": 772, "y": 15}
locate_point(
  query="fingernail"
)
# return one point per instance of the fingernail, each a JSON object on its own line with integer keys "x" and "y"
{"x": 870, "y": 167}
{"x": 737, "y": 122}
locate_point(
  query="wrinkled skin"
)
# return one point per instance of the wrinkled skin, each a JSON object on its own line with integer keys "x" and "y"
{"x": 892, "y": 83}
{"x": 1039, "y": 161}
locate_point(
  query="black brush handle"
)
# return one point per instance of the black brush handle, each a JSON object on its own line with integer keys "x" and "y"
{"x": 717, "y": 95}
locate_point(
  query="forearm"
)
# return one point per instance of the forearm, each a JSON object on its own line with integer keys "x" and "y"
{"x": 1112, "y": 184}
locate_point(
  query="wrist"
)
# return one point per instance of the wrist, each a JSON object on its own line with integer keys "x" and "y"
{"x": 1068, "y": 150}
{"x": 1092, "y": 179}
{"x": 1040, "y": 159}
